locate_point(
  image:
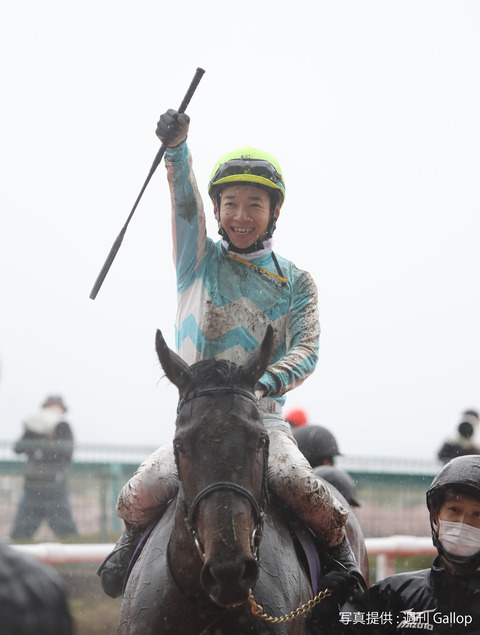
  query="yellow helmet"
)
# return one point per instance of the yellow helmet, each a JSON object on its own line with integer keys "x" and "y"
{"x": 249, "y": 165}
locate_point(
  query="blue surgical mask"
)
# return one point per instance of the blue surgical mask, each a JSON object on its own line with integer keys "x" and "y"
{"x": 459, "y": 539}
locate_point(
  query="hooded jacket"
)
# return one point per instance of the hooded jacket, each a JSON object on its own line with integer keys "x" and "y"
{"x": 428, "y": 601}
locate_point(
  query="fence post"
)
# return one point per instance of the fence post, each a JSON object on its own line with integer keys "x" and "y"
{"x": 103, "y": 492}
{"x": 385, "y": 566}
{"x": 116, "y": 475}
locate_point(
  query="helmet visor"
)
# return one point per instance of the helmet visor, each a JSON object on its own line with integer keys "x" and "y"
{"x": 248, "y": 170}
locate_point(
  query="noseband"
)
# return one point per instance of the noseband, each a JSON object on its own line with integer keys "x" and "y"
{"x": 258, "y": 506}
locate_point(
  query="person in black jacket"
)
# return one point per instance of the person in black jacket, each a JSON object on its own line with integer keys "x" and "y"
{"x": 33, "y": 597}
{"x": 446, "y": 597}
{"x": 47, "y": 443}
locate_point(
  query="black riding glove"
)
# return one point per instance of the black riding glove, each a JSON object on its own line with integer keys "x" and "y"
{"x": 326, "y": 613}
{"x": 172, "y": 127}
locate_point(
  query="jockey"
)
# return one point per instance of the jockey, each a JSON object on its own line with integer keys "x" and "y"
{"x": 228, "y": 292}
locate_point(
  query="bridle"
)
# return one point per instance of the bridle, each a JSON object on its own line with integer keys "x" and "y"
{"x": 258, "y": 506}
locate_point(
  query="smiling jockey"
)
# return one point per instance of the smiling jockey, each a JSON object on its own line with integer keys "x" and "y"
{"x": 228, "y": 292}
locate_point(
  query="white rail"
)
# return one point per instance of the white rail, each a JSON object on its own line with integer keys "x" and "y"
{"x": 56, "y": 553}
{"x": 386, "y": 550}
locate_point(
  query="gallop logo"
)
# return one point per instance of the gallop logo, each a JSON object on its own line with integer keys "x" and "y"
{"x": 426, "y": 620}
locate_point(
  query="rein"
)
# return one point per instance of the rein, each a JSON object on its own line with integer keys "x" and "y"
{"x": 257, "y": 506}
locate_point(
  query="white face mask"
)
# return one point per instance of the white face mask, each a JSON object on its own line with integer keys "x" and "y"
{"x": 459, "y": 539}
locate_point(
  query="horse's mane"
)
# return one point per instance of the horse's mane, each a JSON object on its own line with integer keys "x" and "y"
{"x": 214, "y": 372}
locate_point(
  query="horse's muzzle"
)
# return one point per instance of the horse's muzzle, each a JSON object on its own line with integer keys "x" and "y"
{"x": 229, "y": 583}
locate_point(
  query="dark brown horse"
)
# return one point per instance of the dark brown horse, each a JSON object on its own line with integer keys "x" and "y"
{"x": 220, "y": 540}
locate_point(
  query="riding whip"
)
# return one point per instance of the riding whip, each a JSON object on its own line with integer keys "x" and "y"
{"x": 118, "y": 241}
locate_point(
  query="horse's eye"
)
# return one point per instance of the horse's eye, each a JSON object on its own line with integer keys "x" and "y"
{"x": 179, "y": 448}
{"x": 261, "y": 443}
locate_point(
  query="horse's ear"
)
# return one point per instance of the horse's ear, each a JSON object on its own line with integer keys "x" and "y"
{"x": 177, "y": 371}
{"x": 258, "y": 361}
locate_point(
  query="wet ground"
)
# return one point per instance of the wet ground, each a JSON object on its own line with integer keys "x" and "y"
{"x": 94, "y": 613}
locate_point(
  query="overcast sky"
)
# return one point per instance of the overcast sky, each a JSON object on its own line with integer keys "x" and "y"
{"x": 372, "y": 109}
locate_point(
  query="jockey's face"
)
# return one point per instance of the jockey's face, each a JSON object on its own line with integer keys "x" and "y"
{"x": 244, "y": 213}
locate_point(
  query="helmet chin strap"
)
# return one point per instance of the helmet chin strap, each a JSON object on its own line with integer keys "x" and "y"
{"x": 459, "y": 560}
{"x": 258, "y": 245}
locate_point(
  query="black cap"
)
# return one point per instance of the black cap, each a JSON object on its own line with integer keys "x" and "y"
{"x": 341, "y": 480}
{"x": 316, "y": 443}
{"x": 54, "y": 400}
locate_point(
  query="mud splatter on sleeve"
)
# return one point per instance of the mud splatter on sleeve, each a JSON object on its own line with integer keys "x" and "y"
{"x": 303, "y": 333}
{"x": 188, "y": 216}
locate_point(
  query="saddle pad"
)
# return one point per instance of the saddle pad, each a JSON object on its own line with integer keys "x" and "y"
{"x": 307, "y": 542}
{"x": 139, "y": 547}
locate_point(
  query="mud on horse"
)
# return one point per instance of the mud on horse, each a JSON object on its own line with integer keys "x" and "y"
{"x": 202, "y": 561}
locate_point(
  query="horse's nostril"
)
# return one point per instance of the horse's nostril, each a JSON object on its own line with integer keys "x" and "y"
{"x": 208, "y": 581}
{"x": 230, "y": 582}
{"x": 250, "y": 573}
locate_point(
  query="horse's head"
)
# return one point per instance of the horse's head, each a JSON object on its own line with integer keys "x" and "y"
{"x": 221, "y": 448}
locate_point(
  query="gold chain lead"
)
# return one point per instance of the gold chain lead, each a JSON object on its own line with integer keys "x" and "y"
{"x": 305, "y": 608}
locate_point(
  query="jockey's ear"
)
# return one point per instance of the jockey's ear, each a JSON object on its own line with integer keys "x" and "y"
{"x": 177, "y": 371}
{"x": 257, "y": 362}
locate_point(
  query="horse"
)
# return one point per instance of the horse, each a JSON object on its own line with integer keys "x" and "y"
{"x": 222, "y": 560}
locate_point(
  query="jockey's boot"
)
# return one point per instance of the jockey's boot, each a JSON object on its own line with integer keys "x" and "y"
{"x": 114, "y": 568}
{"x": 343, "y": 579}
